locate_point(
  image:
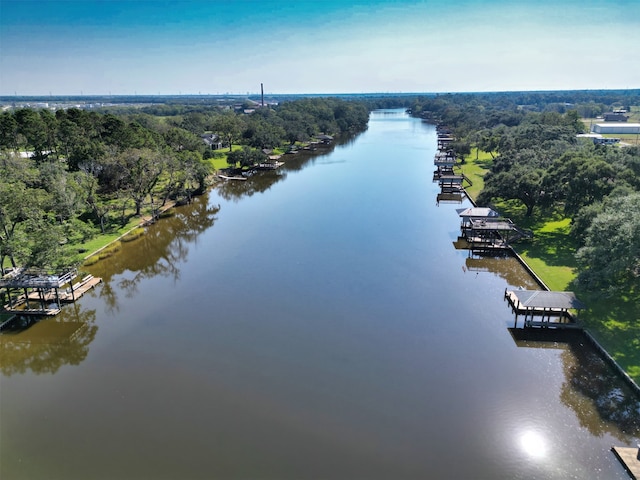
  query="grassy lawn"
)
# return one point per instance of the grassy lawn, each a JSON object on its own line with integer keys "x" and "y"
{"x": 613, "y": 320}
{"x": 475, "y": 167}
{"x": 219, "y": 161}
{"x": 104, "y": 240}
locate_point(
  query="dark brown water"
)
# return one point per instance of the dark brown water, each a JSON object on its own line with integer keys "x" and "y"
{"x": 321, "y": 324}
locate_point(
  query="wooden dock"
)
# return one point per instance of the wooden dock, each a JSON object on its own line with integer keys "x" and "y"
{"x": 80, "y": 288}
{"x": 46, "y": 292}
{"x": 485, "y": 244}
{"x": 546, "y": 305}
{"x": 630, "y": 459}
{"x": 451, "y": 197}
{"x": 235, "y": 177}
{"x": 270, "y": 165}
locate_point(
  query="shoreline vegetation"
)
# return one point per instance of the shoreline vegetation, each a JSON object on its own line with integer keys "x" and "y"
{"x": 104, "y": 246}
{"x": 580, "y": 198}
{"x": 78, "y": 181}
{"x": 75, "y": 179}
{"x": 550, "y": 235}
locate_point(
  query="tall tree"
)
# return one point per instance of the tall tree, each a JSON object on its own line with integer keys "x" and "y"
{"x": 8, "y": 131}
{"x": 20, "y": 207}
{"x": 522, "y": 182}
{"x": 31, "y": 126}
{"x": 228, "y": 126}
{"x": 144, "y": 168}
{"x": 610, "y": 258}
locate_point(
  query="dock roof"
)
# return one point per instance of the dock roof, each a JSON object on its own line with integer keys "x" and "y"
{"x": 480, "y": 212}
{"x": 32, "y": 278}
{"x": 547, "y": 299}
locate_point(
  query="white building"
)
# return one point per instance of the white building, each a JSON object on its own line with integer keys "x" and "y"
{"x": 616, "y": 128}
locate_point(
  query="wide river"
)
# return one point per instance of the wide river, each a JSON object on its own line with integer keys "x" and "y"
{"x": 319, "y": 325}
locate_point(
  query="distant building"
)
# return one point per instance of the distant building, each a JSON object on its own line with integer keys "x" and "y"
{"x": 615, "y": 117}
{"x": 606, "y": 140}
{"x": 212, "y": 140}
{"x": 616, "y": 128}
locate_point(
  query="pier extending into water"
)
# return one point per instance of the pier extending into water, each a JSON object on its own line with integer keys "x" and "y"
{"x": 545, "y": 305}
{"x": 32, "y": 292}
{"x": 630, "y": 459}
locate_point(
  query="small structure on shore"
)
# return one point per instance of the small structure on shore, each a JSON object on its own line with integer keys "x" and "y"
{"x": 483, "y": 229}
{"x": 272, "y": 163}
{"x": 324, "y": 139}
{"x": 451, "y": 197}
{"x": 34, "y": 292}
{"x": 546, "y": 305}
{"x": 444, "y": 162}
{"x": 444, "y": 141}
{"x": 450, "y": 183}
{"x": 474, "y": 213}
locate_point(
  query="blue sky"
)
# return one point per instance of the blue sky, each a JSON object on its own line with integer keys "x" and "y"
{"x": 190, "y": 47}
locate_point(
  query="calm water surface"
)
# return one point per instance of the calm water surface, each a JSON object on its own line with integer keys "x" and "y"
{"x": 320, "y": 324}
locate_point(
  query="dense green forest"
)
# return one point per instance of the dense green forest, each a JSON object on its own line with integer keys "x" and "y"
{"x": 69, "y": 175}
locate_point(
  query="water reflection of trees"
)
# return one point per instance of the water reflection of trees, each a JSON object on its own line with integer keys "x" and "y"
{"x": 506, "y": 267}
{"x": 602, "y": 401}
{"x": 264, "y": 180}
{"x": 45, "y": 345}
{"x": 258, "y": 183}
{"x": 598, "y": 395}
{"x": 159, "y": 252}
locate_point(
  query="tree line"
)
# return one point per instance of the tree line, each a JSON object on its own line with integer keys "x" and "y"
{"x": 539, "y": 161}
{"x": 68, "y": 175}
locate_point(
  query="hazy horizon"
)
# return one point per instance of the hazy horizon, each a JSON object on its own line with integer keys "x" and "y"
{"x": 87, "y": 48}
{"x": 303, "y": 94}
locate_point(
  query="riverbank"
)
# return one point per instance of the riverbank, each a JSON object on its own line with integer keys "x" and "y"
{"x": 550, "y": 257}
{"x": 105, "y": 245}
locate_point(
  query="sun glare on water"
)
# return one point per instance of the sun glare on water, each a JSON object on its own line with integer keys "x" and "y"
{"x": 533, "y": 444}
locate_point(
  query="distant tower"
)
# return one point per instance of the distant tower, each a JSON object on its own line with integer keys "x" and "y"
{"x": 262, "y": 93}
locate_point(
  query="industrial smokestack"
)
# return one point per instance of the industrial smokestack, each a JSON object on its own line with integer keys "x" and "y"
{"x": 262, "y": 93}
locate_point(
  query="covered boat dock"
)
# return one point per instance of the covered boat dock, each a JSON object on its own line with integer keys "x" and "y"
{"x": 483, "y": 229}
{"x": 545, "y": 305}
{"x": 34, "y": 292}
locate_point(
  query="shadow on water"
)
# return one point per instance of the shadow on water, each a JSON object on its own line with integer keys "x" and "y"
{"x": 43, "y": 345}
{"x": 602, "y": 402}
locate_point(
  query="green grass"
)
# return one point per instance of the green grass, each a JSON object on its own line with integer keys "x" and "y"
{"x": 475, "y": 169}
{"x": 551, "y": 252}
{"x": 614, "y": 321}
{"x": 219, "y": 160}
{"x": 101, "y": 241}
{"x": 218, "y": 163}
